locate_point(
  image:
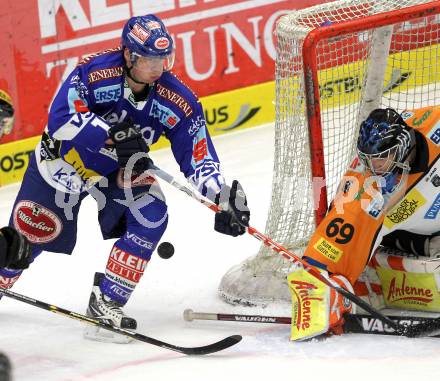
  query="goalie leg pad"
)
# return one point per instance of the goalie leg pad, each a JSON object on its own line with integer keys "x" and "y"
{"x": 316, "y": 308}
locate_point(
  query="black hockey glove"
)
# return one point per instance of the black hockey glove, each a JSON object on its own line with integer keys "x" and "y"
{"x": 128, "y": 141}
{"x": 15, "y": 250}
{"x": 235, "y": 214}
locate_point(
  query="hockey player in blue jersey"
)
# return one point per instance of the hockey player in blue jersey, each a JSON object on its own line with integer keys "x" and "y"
{"x": 107, "y": 113}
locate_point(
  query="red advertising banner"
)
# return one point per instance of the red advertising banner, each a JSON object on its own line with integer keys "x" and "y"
{"x": 220, "y": 44}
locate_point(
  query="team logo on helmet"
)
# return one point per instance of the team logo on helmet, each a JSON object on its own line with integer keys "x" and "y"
{"x": 162, "y": 43}
{"x": 139, "y": 34}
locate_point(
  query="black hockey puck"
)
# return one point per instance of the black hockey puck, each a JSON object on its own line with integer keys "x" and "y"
{"x": 165, "y": 250}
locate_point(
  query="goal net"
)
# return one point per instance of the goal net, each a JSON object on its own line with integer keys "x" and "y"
{"x": 335, "y": 63}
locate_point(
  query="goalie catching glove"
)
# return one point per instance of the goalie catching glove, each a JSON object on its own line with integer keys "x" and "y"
{"x": 128, "y": 140}
{"x": 317, "y": 308}
{"x": 234, "y": 214}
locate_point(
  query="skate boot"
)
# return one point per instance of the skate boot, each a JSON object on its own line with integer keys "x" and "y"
{"x": 108, "y": 311}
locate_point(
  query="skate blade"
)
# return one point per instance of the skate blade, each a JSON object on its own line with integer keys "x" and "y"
{"x": 104, "y": 336}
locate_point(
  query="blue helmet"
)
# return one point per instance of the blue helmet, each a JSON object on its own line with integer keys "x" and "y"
{"x": 385, "y": 139}
{"x": 147, "y": 36}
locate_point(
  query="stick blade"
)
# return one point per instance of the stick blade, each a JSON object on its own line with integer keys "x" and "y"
{"x": 428, "y": 328}
{"x": 215, "y": 347}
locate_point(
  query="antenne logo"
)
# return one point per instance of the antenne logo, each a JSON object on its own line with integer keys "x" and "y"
{"x": 303, "y": 291}
{"x": 402, "y": 291}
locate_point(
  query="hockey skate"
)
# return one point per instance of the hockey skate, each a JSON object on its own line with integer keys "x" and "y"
{"x": 108, "y": 311}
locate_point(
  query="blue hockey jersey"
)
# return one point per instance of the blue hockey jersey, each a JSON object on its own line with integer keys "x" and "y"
{"x": 72, "y": 152}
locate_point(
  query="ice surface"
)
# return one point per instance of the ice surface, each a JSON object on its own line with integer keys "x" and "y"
{"x": 47, "y": 347}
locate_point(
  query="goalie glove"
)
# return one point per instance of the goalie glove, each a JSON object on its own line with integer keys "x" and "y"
{"x": 128, "y": 140}
{"x": 15, "y": 250}
{"x": 317, "y": 309}
{"x": 234, "y": 214}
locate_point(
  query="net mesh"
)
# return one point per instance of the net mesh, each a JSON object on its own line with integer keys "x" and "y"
{"x": 410, "y": 79}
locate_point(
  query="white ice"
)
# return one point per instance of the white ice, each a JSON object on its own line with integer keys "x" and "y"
{"x": 48, "y": 347}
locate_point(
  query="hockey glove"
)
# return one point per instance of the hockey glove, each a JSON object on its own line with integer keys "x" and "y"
{"x": 15, "y": 250}
{"x": 235, "y": 214}
{"x": 128, "y": 141}
{"x": 317, "y": 309}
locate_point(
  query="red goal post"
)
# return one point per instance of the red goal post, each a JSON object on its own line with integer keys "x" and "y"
{"x": 335, "y": 63}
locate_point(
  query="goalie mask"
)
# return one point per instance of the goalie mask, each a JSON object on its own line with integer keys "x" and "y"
{"x": 6, "y": 113}
{"x": 385, "y": 142}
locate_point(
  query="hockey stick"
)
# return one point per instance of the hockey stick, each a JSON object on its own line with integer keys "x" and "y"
{"x": 420, "y": 330}
{"x": 204, "y": 350}
{"x": 354, "y": 323}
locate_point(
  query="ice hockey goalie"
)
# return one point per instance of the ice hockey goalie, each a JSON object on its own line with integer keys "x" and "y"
{"x": 384, "y": 215}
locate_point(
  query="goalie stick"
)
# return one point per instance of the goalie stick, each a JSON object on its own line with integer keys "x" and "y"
{"x": 354, "y": 323}
{"x": 423, "y": 329}
{"x": 204, "y": 350}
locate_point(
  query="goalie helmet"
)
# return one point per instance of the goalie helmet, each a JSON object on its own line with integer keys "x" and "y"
{"x": 6, "y": 113}
{"x": 385, "y": 142}
{"x": 147, "y": 36}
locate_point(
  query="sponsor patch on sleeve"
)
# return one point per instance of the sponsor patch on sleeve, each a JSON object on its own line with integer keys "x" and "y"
{"x": 434, "y": 134}
{"x": 405, "y": 208}
{"x": 433, "y": 210}
{"x": 107, "y": 93}
{"x": 165, "y": 115}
